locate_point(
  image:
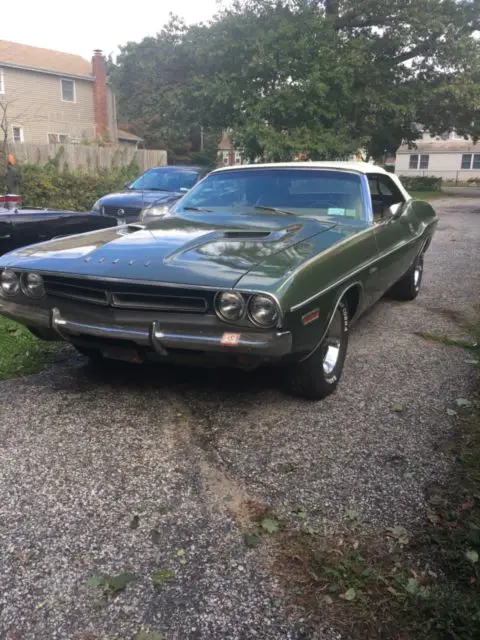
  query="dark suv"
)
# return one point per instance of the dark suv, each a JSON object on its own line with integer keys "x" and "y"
{"x": 151, "y": 194}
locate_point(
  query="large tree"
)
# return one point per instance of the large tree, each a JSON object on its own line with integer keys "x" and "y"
{"x": 322, "y": 77}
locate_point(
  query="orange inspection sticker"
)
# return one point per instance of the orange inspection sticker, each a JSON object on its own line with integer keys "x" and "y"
{"x": 230, "y": 339}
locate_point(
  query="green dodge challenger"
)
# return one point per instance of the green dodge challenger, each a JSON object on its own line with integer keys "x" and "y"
{"x": 258, "y": 264}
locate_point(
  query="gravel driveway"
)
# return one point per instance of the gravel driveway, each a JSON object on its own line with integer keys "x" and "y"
{"x": 152, "y": 469}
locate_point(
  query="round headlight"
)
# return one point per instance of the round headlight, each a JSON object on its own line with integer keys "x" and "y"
{"x": 10, "y": 283}
{"x": 263, "y": 311}
{"x": 32, "y": 285}
{"x": 230, "y": 306}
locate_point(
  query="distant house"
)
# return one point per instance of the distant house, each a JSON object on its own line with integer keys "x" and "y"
{"x": 128, "y": 139}
{"x": 52, "y": 97}
{"x": 450, "y": 157}
{"x": 227, "y": 154}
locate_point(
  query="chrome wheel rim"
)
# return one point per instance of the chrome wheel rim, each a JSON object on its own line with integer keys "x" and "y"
{"x": 332, "y": 344}
{"x": 417, "y": 275}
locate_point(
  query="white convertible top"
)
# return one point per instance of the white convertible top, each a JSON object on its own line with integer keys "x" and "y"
{"x": 359, "y": 167}
{"x": 353, "y": 165}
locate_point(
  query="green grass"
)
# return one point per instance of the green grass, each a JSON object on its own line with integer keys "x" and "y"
{"x": 428, "y": 195}
{"x": 396, "y": 584}
{"x": 20, "y": 352}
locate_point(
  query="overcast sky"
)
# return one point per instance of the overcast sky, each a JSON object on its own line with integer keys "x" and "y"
{"x": 81, "y": 26}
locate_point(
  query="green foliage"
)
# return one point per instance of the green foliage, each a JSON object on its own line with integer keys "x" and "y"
{"x": 421, "y": 183}
{"x": 20, "y": 352}
{"x": 326, "y": 78}
{"x": 49, "y": 186}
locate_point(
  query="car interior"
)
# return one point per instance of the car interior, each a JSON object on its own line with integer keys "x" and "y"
{"x": 384, "y": 193}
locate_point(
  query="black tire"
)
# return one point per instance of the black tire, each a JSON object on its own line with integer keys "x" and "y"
{"x": 315, "y": 377}
{"x": 408, "y": 287}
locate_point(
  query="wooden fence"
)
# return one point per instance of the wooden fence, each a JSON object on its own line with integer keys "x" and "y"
{"x": 88, "y": 158}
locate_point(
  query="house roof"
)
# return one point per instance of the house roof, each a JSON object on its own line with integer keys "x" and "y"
{"x": 24, "y": 56}
{"x": 441, "y": 146}
{"x": 126, "y": 135}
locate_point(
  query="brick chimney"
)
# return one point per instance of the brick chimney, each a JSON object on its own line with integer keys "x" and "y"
{"x": 100, "y": 94}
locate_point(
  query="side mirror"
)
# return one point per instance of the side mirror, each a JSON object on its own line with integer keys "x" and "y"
{"x": 127, "y": 185}
{"x": 394, "y": 211}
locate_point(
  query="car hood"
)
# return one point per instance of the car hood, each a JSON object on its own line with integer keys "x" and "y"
{"x": 138, "y": 199}
{"x": 215, "y": 251}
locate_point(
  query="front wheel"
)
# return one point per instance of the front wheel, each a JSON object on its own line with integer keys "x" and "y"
{"x": 319, "y": 374}
{"x": 409, "y": 286}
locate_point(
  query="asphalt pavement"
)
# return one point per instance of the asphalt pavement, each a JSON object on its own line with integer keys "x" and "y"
{"x": 146, "y": 469}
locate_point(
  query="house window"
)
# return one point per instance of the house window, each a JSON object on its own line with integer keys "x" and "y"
{"x": 68, "y": 90}
{"x": 470, "y": 161}
{"x": 419, "y": 161}
{"x": 17, "y": 134}
{"x": 56, "y": 138}
{"x": 424, "y": 161}
{"x": 2, "y": 81}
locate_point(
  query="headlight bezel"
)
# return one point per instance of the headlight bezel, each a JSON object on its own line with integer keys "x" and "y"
{"x": 9, "y": 294}
{"x": 275, "y": 320}
{"x": 24, "y": 285}
{"x": 218, "y": 311}
{"x": 247, "y": 316}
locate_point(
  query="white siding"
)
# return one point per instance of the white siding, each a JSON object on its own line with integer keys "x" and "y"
{"x": 446, "y": 165}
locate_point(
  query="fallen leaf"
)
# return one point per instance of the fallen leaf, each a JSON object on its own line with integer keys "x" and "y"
{"x": 180, "y": 552}
{"x": 462, "y": 402}
{"x": 270, "y": 525}
{"x": 162, "y": 575}
{"x": 399, "y": 533}
{"x": 155, "y": 536}
{"x": 251, "y": 540}
{"x": 472, "y": 556}
{"x": 412, "y": 586}
{"x": 350, "y": 594}
{"x": 398, "y": 407}
{"x": 433, "y": 516}
{"x": 110, "y": 584}
{"x": 327, "y": 600}
{"x": 451, "y": 412}
{"x": 352, "y": 514}
{"x": 148, "y": 635}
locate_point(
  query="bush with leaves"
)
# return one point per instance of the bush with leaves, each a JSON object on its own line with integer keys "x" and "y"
{"x": 50, "y": 186}
{"x": 421, "y": 183}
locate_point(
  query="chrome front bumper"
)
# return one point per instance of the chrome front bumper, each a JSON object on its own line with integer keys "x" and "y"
{"x": 158, "y": 335}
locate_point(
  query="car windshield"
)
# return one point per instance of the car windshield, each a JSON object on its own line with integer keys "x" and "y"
{"x": 315, "y": 192}
{"x": 165, "y": 180}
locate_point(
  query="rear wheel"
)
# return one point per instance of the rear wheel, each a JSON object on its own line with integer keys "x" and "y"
{"x": 409, "y": 286}
{"x": 319, "y": 374}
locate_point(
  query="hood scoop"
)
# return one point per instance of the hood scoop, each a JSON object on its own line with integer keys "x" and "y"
{"x": 272, "y": 236}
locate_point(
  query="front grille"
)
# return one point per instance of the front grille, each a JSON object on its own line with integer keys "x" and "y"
{"x": 129, "y": 296}
{"x": 127, "y": 211}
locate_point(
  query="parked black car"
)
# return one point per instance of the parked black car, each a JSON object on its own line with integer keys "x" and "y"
{"x": 150, "y": 195}
{"x": 23, "y": 226}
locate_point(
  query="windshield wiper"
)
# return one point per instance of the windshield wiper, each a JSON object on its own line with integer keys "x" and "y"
{"x": 275, "y": 210}
{"x": 197, "y": 209}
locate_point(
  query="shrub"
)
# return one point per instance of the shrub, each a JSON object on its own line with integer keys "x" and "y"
{"x": 49, "y": 186}
{"x": 421, "y": 183}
